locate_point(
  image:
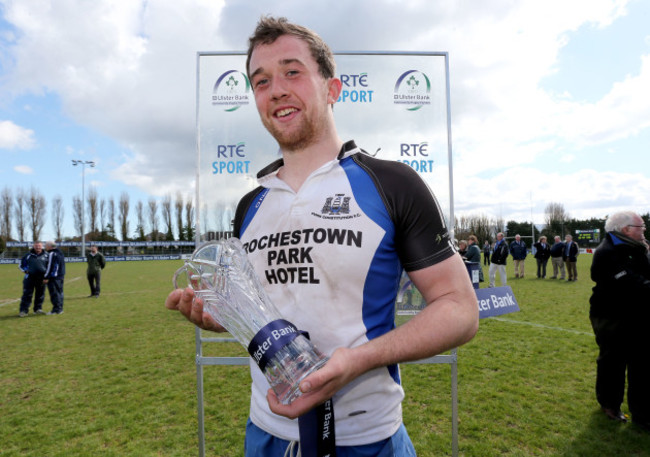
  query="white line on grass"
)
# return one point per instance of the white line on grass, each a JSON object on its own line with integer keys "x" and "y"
{"x": 16, "y": 300}
{"x": 547, "y": 327}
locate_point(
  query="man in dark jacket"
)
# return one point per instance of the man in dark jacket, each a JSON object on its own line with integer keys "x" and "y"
{"x": 54, "y": 277}
{"x": 96, "y": 264}
{"x": 499, "y": 257}
{"x": 619, "y": 314}
{"x": 557, "y": 250}
{"x": 518, "y": 251}
{"x": 542, "y": 253}
{"x": 33, "y": 264}
{"x": 570, "y": 257}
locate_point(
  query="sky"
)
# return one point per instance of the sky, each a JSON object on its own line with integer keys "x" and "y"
{"x": 549, "y": 100}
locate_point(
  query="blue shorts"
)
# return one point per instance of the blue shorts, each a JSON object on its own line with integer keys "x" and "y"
{"x": 261, "y": 444}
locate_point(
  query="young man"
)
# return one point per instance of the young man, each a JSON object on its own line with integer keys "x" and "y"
{"x": 619, "y": 315}
{"x": 33, "y": 264}
{"x": 347, "y": 305}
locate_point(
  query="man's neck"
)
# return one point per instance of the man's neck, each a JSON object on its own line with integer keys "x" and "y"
{"x": 298, "y": 165}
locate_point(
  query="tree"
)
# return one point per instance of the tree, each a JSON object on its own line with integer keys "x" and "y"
{"x": 178, "y": 204}
{"x": 102, "y": 216}
{"x": 166, "y": 209}
{"x": 78, "y": 214}
{"x": 57, "y": 216}
{"x": 139, "y": 214}
{"x": 92, "y": 209}
{"x": 6, "y": 205}
{"x": 19, "y": 213}
{"x": 124, "y": 216}
{"x": 110, "y": 227}
{"x": 153, "y": 218}
{"x": 555, "y": 218}
{"x": 36, "y": 211}
{"x": 189, "y": 220}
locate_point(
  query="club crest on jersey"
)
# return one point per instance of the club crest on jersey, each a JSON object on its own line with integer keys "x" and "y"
{"x": 337, "y": 204}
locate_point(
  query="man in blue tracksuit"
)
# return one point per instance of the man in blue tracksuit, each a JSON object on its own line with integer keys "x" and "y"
{"x": 54, "y": 277}
{"x": 34, "y": 265}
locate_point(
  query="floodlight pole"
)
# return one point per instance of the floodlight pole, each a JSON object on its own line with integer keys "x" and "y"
{"x": 83, "y": 164}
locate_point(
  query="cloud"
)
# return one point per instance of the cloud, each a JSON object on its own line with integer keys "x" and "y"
{"x": 127, "y": 69}
{"x": 13, "y": 136}
{"x": 24, "y": 169}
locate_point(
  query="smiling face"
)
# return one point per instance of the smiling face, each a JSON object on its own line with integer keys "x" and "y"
{"x": 292, "y": 97}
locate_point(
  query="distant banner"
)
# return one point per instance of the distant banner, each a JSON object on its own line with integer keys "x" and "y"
{"x": 109, "y": 258}
{"x": 108, "y": 244}
{"x": 495, "y": 301}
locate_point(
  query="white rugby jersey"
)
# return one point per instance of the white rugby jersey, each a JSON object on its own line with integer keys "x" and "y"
{"x": 330, "y": 257}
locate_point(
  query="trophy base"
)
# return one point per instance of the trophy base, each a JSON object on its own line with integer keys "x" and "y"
{"x": 290, "y": 366}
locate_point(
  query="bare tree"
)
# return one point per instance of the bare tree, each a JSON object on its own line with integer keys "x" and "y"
{"x": 153, "y": 218}
{"x": 166, "y": 209}
{"x": 57, "y": 216}
{"x": 189, "y": 220}
{"x": 92, "y": 208}
{"x": 6, "y": 205}
{"x": 111, "y": 216}
{"x": 178, "y": 204}
{"x": 19, "y": 213}
{"x": 124, "y": 216}
{"x": 139, "y": 213}
{"x": 102, "y": 215}
{"x": 78, "y": 214}
{"x": 555, "y": 217}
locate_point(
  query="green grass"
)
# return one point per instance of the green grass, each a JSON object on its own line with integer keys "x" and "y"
{"x": 115, "y": 376}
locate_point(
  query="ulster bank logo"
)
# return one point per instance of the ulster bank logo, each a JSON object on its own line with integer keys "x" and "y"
{"x": 412, "y": 89}
{"x": 232, "y": 90}
{"x": 338, "y": 204}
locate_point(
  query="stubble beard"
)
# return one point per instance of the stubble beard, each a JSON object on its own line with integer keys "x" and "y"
{"x": 302, "y": 136}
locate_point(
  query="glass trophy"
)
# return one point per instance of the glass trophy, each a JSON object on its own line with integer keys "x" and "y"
{"x": 222, "y": 276}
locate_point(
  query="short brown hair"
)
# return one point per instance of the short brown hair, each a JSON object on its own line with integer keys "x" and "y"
{"x": 270, "y": 29}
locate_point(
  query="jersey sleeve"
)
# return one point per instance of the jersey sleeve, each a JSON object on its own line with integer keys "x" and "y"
{"x": 421, "y": 235}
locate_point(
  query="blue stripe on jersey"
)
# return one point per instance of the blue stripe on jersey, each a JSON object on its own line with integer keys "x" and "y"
{"x": 252, "y": 210}
{"x": 382, "y": 281}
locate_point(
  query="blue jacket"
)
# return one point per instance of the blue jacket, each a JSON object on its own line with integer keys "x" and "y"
{"x": 518, "y": 250}
{"x": 34, "y": 264}
{"x": 55, "y": 265}
{"x": 557, "y": 250}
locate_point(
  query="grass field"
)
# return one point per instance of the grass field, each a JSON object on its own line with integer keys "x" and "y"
{"x": 115, "y": 376}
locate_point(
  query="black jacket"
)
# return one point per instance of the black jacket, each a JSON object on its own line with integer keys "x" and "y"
{"x": 542, "y": 253}
{"x": 34, "y": 264}
{"x": 500, "y": 254}
{"x": 621, "y": 271}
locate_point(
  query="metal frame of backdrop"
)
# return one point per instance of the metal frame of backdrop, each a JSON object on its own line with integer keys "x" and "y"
{"x": 451, "y": 358}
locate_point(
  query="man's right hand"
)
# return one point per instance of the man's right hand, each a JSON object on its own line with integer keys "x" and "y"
{"x": 191, "y": 307}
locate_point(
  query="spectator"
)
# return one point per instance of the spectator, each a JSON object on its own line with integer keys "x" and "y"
{"x": 34, "y": 265}
{"x": 54, "y": 277}
{"x": 557, "y": 251}
{"x": 96, "y": 263}
{"x": 462, "y": 248}
{"x": 486, "y": 253}
{"x": 570, "y": 258}
{"x": 619, "y": 314}
{"x": 542, "y": 253}
{"x": 474, "y": 255}
{"x": 498, "y": 261}
{"x": 518, "y": 251}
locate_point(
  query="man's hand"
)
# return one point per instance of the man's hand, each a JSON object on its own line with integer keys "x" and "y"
{"x": 191, "y": 307}
{"x": 318, "y": 386}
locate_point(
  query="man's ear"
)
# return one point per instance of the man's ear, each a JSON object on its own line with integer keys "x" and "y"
{"x": 333, "y": 90}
